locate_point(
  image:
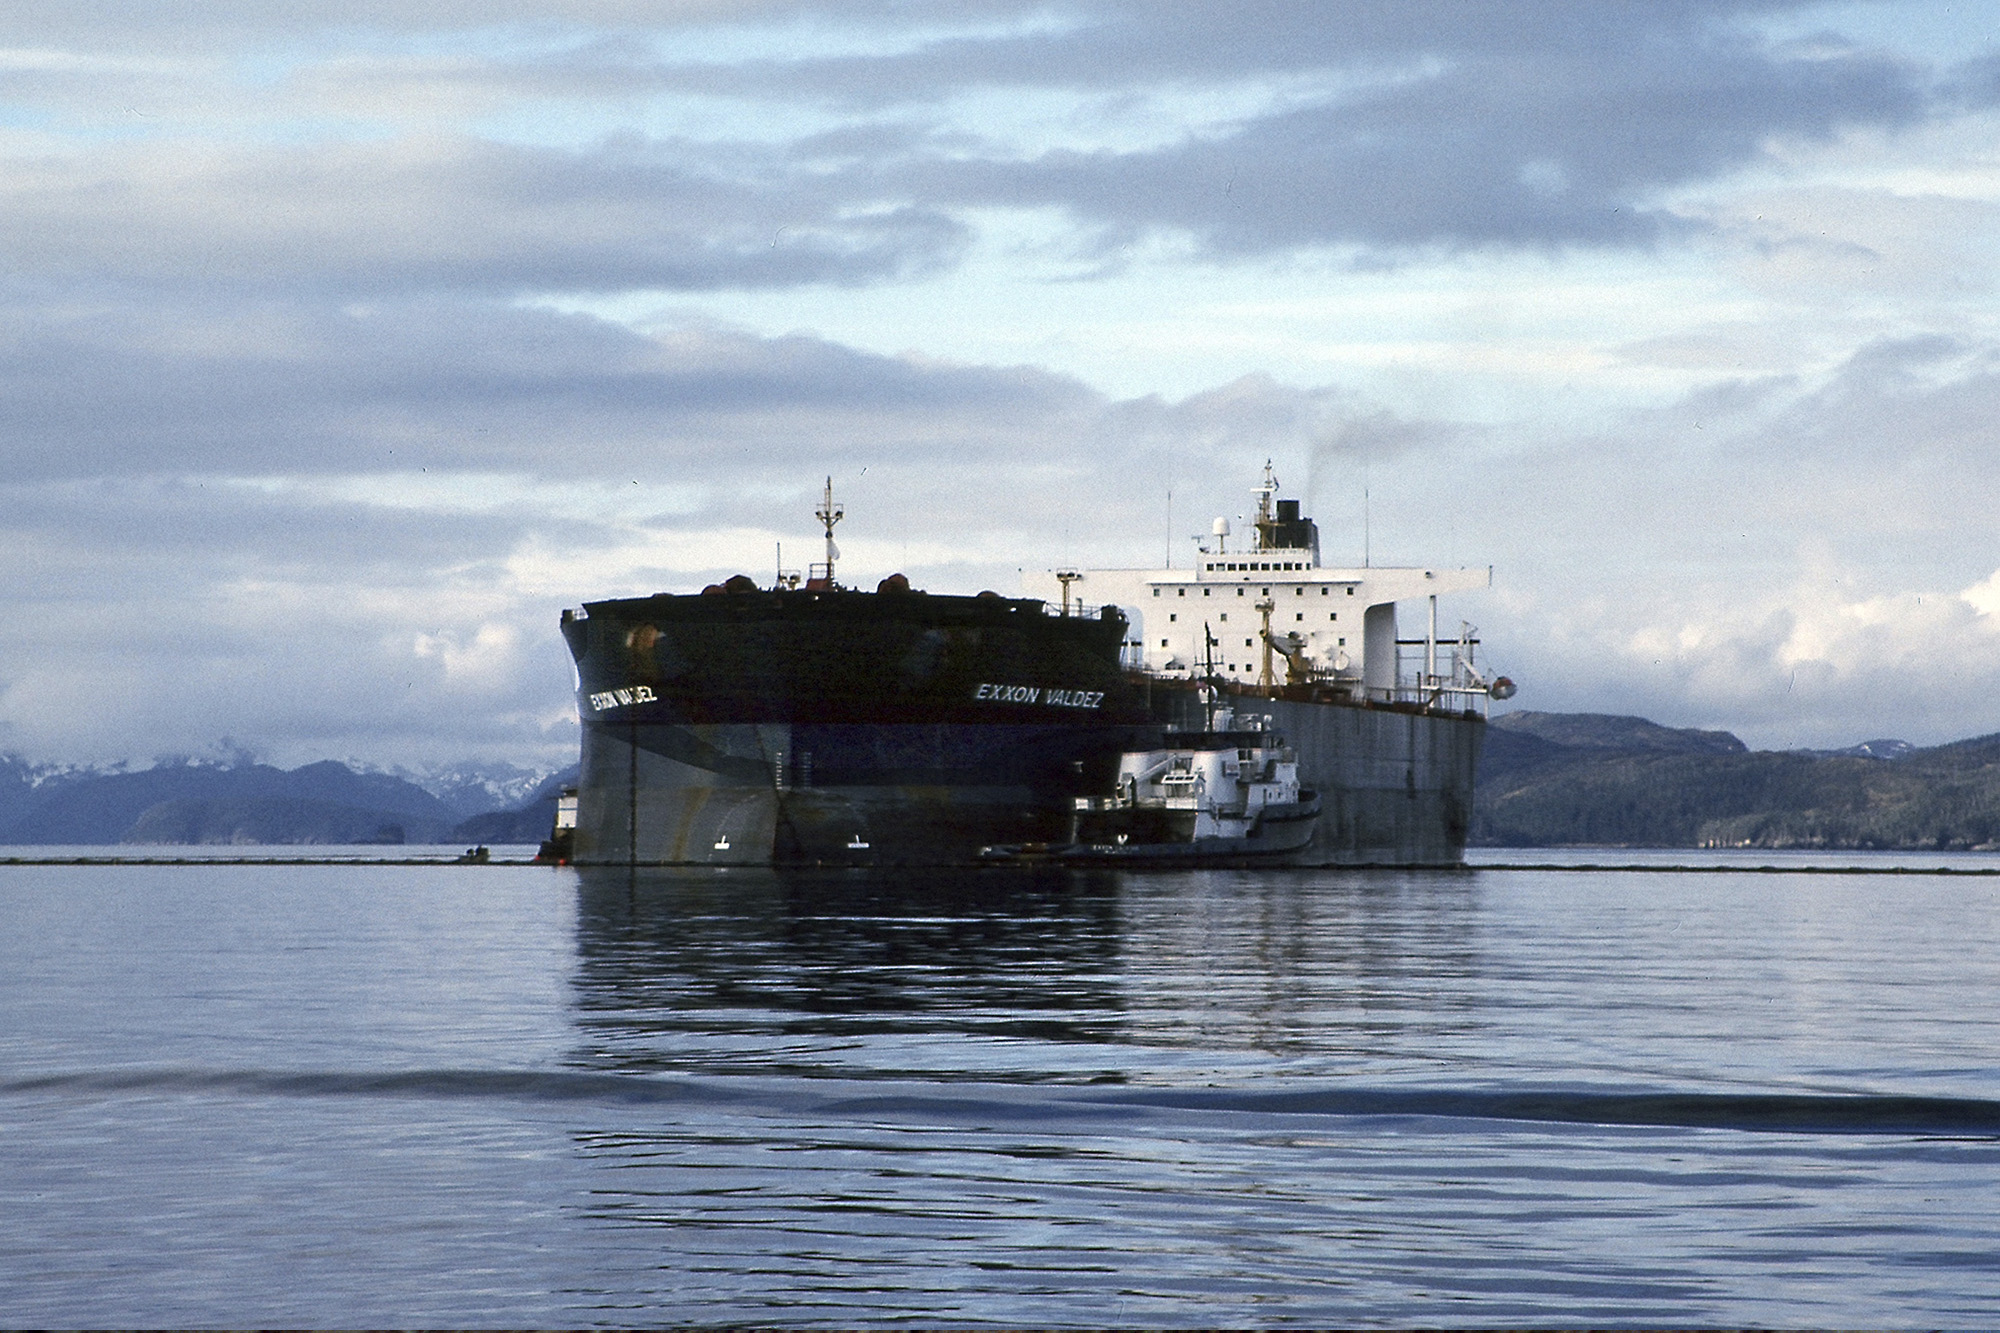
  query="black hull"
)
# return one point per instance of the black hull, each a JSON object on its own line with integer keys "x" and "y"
{"x": 883, "y": 795}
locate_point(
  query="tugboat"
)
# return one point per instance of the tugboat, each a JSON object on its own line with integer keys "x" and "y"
{"x": 1217, "y": 797}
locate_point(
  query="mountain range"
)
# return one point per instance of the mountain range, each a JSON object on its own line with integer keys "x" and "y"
{"x": 1589, "y": 779}
{"x": 1545, "y": 780}
{"x": 241, "y": 802}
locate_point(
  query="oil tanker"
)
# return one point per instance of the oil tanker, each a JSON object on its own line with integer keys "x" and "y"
{"x": 1209, "y": 715}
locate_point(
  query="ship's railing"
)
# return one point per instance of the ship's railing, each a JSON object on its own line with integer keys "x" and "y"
{"x": 1438, "y": 673}
{"x": 1446, "y": 698}
{"x": 1077, "y": 610}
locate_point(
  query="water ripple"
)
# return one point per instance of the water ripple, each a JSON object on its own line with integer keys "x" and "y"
{"x": 1764, "y": 1112}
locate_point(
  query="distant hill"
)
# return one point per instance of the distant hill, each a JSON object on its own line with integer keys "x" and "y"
{"x": 1608, "y": 731}
{"x": 531, "y": 821}
{"x": 1581, "y": 779}
{"x": 255, "y": 820}
{"x": 1545, "y": 780}
{"x": 326, "y": 802}
{"x": 468, "y": 789}
{"x": 22, "y": 784}
{"x": 323, "y": 802}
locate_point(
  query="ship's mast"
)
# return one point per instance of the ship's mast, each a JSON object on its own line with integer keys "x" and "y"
{"x": 1265, "y": 681}
{"x": 1067, "y": 577}
{"x": 1264, "y": 493}
{"x": 829, "y": 514}
{"x": 1210, "y": 682}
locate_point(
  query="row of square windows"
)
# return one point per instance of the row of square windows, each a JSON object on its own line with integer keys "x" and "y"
{"x": 1266, "y": 592}
{"x": 1223, "y": 567}
{"x": 1331, "y": 615}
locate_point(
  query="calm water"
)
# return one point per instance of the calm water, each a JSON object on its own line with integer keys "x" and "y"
{"x": 503, "y": 1095}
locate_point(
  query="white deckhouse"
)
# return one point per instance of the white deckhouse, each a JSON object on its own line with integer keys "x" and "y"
{"x": 1270, "y": 614}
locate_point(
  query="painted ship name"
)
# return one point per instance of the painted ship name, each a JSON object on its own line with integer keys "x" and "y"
{"x": 1037, "y": 694}
{"x": 638, "y": 694}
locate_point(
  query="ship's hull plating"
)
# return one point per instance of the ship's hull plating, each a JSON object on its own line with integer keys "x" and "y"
{"x": 870, "y": 794}
{"x": 1395, "y": 788}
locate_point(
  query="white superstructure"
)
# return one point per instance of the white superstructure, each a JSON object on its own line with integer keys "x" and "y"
{"x": 1270, "y": 614}
{"x": 1224, "y": 792}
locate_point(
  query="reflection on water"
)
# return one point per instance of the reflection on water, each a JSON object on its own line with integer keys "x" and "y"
{"x": 1017, "y": 976}
{"x": 745, "y": 971}
{"x": 1302, "y": 966}
{"x": 441, "y": 1096}
{"x": 1232, "y": 1098}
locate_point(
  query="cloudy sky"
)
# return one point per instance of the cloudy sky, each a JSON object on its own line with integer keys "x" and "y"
{"x": 341, "y": 352}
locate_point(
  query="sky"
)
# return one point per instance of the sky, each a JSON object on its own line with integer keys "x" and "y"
{"x": 343, "y": 345}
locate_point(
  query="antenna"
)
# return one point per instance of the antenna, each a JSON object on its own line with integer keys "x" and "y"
{"x": 1365, "y": 469}
{"x": 829, "y": 514}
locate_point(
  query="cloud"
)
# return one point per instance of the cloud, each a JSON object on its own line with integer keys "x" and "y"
{"x": 295, "y": 449}
{"x": 1571, "y": 147}
{"x": 1824, "y": 662}
{"x": 139, "y": 386}
{"x": 351, "y": 533}
{"x": 1435, "y": 125}
{"x": 1386, "y": 127}
{"x": 280, "y": 575}
{"x": 1805, "y": 564}
{"x": 446, "y": 212}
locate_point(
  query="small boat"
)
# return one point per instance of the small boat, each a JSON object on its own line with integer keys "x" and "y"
{"x": 1213, "y": 797}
